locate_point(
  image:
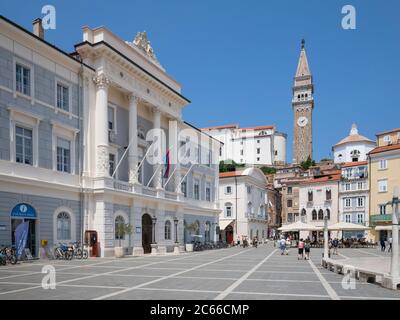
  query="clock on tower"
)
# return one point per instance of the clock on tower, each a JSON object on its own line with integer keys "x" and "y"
{"x": 303, "y": 105}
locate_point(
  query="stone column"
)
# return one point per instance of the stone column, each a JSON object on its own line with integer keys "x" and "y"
{"x": 176, "y": 245}
{"x": 153, "y": 241}
{"x": 136, "y": 217}
{"x": 101, "y": 124}
{"x": 157, "y": 180}
{"x": 133, "y": 139}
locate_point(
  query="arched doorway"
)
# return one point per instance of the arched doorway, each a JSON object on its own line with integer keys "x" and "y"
{"x": 147, "y": 231}
{"x": 229, "y": 234}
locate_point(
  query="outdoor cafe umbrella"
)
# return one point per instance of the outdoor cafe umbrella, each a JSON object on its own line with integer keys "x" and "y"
{"x": 346, "y": 226}
{"x": 298, "y": 226}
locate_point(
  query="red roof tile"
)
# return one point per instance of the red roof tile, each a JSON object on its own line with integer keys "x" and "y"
{"x": 328, "y": 178}
{"x": 386, "y": 132}
{"x": 353, "y": 164}
{"x": 230, "y": 174}
{"x": 385, "y": 148}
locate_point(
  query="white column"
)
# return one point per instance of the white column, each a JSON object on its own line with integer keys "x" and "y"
{"x": 174, "y": 155}
{"x": 101, "y": 117}
{"x": 157, "y": 182}
{"x": 133, "y": 138}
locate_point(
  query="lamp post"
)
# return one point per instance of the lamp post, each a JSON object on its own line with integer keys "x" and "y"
{"x": 153, "y": 240}
{"x": 176, "y": 246}
{"x": 326, "y": 240}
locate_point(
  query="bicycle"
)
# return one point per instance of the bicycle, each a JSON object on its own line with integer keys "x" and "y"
{"x": 78, "y": 251}
{"x": 9, "y": 254}
{"x": 63, "y": 252}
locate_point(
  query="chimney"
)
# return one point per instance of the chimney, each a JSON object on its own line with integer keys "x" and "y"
{"x": 38, "y": 28}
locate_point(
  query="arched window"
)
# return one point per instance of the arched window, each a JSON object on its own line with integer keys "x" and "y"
{"x": 328, "y": 213}
{"x": 167, "y": 230}
{"x": 320, "y": 214}
{"x": 63, "y": 226}
{"x": 119, "y": 222}
{"x": 303, "y": 212}
{"x": 251, "y": 234}
{"x": 310, "y": 195}
{"x": 328, "y": 194}
{"x": 314, "y": 215}
{"x": 257, "y": 233}
{"x": 197, "y": 227}
{"x": 228, "y": 209}
{"x": 207, "y": 229}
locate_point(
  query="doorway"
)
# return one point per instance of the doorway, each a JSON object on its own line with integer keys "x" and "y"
{"x": 31, "y": 240}
{"x": 147, "y": 231}
{"x": 229, "y": 234}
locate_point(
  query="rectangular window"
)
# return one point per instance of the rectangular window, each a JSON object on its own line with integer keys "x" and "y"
{"x": 184, "y": 188}
{"x": 209, "y": 158}
{"x": 289, "y": 190}
{"x": 111, "y": 162}
{"x": 347, "y": 202}
{"x": 258, "y": 150}
{"x": 382, "y": 186}
{"x": 360, "y": 202}
{"x": 382, "y": 164}
{"x": 241, "y": 152}
{"x": 197, "y": 189}
{"x": 258, "y": 141}
{"x": 63, "y": 155}
{"x": 360, "y": 186}
{"x": 62, "y": 97}
{"x": 228, "y": 190}
{"x": 23, "y": 79}
{"x": 228, "y": 211}
{"x": 23, "y": 145}
{"x": 348, "y": 218}
{"x": 258, "y": 159}
{"x": 208, "y": 191}
{"x": 360, "y": 218}
{"x": 382, "y": 209}
{"x": 111, "y": 119}
{"x": 248, "y": 189}
{"x": 347, "y": 187}
{"x": 290, "y": 203}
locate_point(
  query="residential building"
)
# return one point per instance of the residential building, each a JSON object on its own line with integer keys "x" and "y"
{"x": 76, "y": 135}
{"x": 354, "y": 197}
{"x": 253, "y": 146}
{"x": 318, "y": 197}
{"x": 243, "y": 200}
{"x": 274, "y": 210}
{"x": 353, "y": 148}
{"x": 384, "y": 177}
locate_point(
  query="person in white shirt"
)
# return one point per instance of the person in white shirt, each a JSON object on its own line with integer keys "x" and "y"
{"x": 390, "y": 240}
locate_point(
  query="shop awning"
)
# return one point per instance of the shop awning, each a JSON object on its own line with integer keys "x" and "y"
{"x": 298, "y": 226}
{"x": 346, "y": 226}
{"x": 382, "y": 228}
{"x": 224, "y": 223}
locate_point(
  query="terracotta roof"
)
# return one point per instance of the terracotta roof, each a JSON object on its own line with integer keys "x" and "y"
{"x": 230, "y": 174}
{"x": 328, "y": 178}
{"x": 227, "y": 126}
{"x": 354, "y": 137}
{"x": 386, "y": 132}
{"x": 353, "y": 164}
{"x": 385, "y": 148}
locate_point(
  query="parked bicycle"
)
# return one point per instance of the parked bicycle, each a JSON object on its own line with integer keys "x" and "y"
{"x": 8, "y": 254}
{"x": 63, "y": 252}
{"x": 78, "y": 251}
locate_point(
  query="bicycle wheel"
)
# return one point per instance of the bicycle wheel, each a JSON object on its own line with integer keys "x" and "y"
{"x": 13, "y": 259}
{"x": 78, "y": 254}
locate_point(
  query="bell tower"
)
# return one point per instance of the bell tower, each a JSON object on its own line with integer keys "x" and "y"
{"x": 303, "y": 105}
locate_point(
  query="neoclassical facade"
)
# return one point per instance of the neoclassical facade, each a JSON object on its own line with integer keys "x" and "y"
{"x": 92, "y": 140}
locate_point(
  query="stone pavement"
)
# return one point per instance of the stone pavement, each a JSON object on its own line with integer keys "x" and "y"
{"x": 233, "y": 273}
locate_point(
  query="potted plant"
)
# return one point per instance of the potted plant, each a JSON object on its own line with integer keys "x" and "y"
{"x": 192, "y": 228}
{"x": 121, "y": 230}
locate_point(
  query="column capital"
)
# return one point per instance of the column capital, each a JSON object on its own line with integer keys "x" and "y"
{"x": 101, "y": 81}
{"x": 133, "y": 98}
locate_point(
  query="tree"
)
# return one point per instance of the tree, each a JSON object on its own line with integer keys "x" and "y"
{"x": 122, "y": 229}
{"x": 305, "y": 165}
{"x": 228, "y": 166}
{"x": 268, "y": 170}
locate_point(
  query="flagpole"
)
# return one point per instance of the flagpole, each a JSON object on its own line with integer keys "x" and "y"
{"x": 170, "y": 177}
{"x": 191, "y": 166}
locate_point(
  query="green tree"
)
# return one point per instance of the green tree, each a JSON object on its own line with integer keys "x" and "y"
{"x": 305, "y": 165}
{"x": 228, "y": 166}
{"x": 268, "y": 170}
{"x": 122, "y": 229}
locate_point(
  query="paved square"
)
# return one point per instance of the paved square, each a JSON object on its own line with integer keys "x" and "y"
{"x": 234, "y": 273}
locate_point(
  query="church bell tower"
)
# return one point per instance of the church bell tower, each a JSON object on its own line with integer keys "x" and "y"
{"x": 303, "y": 105}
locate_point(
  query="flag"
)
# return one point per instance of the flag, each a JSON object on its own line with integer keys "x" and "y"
{"x": 167, "y": 161}
{"x": 21, "y": 236}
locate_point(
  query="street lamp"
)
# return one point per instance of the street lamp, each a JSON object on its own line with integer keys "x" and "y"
{"x": 176, "y": 246}
{"x": 153, "y": 241}
{"x": 394, "y": 279}
{"x": 326, "y": 240}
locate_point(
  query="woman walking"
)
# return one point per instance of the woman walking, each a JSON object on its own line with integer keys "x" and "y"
{"x": 300, "y": 246}
{"x": 307, "y": 248}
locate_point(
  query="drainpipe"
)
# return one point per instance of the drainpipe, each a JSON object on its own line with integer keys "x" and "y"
{"x": 236, "y": 208}
{"x": 80, "y": 151}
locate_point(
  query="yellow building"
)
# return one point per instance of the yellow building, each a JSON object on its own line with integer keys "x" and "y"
{"x": 384, "y": 173}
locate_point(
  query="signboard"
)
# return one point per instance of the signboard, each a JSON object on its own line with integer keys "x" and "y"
{"x": 138, "y": 229}
{"x": 23, "y": 210}
{"x": 2, "y": 227}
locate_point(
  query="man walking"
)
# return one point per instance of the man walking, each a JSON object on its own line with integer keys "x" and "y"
{"x": 282, "y": 245}
{"x": 335, "y": 245}
{"x": 390, "y": 240}
{"x": 383, "y": 245}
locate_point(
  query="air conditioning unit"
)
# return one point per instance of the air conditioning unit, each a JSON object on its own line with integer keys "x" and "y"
{"x": 112, "y": 137}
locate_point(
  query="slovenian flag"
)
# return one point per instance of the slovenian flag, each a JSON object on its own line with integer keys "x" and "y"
{"x": 167, "y": 161}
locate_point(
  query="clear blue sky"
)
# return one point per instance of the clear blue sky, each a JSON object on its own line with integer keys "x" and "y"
{"x": 236, "y": 59}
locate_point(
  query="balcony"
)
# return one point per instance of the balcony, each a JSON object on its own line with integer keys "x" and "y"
{"x": 381, "y": 218}
{"x": 310, "y": 204}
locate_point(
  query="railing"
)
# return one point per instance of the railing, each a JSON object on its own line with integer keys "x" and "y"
{"x": 376, "y": 218}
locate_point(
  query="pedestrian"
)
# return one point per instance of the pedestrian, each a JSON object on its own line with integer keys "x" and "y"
{"x": 255, "y": 242}
{"x": 300, "y": 246}
{"x": 307, "y": 247}
{"x": 335, "y": 245}
{"x": 383, "y": 245}
{"x": 282, "y": 245}
{"x": 390, "y": 240}
{"x": 238, "y": 241}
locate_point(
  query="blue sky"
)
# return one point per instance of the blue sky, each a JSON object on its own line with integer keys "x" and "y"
{"x": 236, "y": 59}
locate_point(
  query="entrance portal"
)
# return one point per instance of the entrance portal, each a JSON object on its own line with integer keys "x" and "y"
{"x": 147, "y": 231}
{"x": 229, "y": 234}
{"x": 24, "y": 212}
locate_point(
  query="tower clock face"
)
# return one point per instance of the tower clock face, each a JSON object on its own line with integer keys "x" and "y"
{"x": 302, "y": 121}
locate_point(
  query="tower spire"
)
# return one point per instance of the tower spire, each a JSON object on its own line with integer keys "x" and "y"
{"x": 303, "y": 68}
